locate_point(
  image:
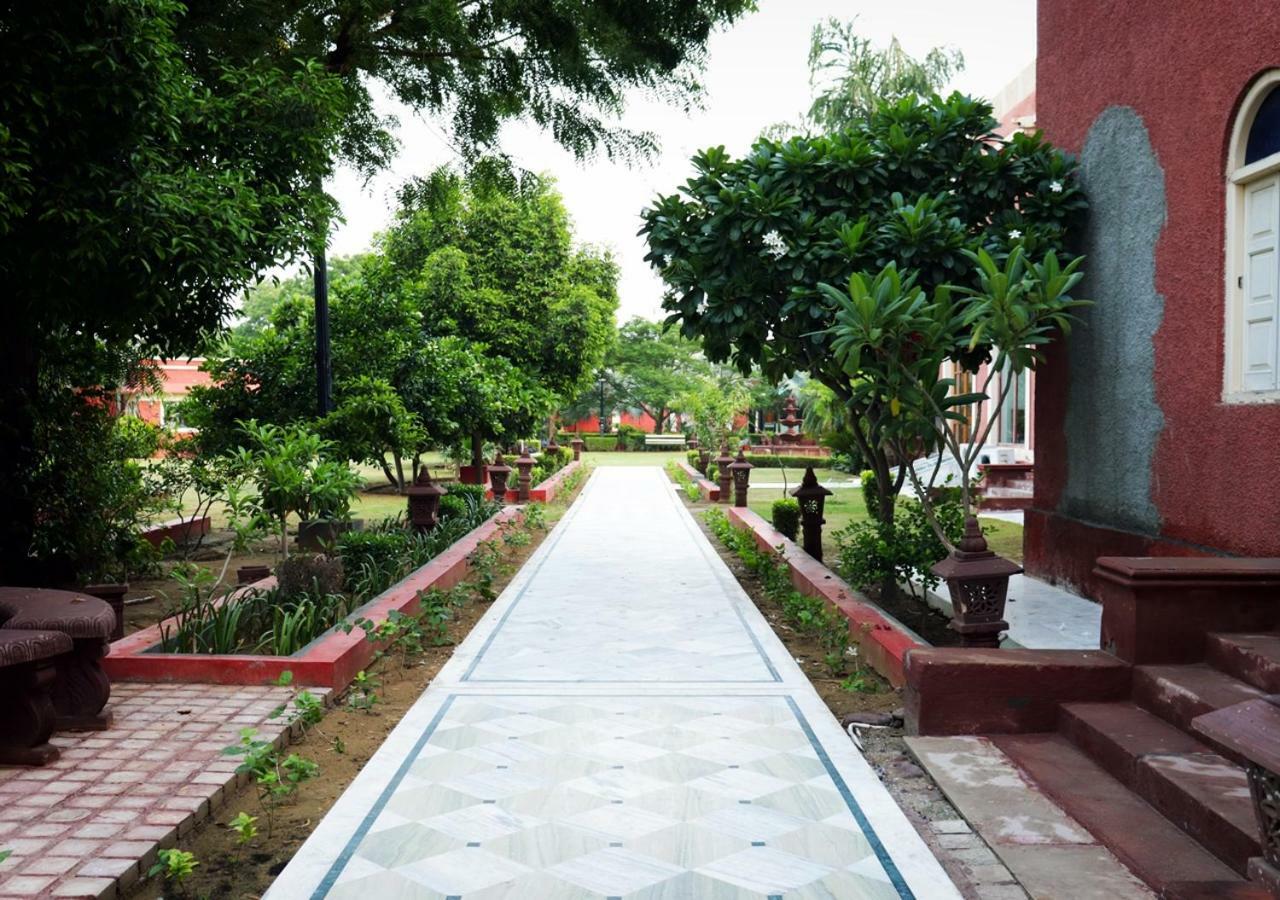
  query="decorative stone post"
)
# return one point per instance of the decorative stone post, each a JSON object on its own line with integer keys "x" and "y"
{"x": 978, "y": 582}
{"x": 723, "y": 475}
{"x": 741, "y": 470}
{"x": 694, "y": 443}
{"x": 812, "y": 497}
{"x": 552, "y": 445}
{"x": 424, "y": 501}
{"x": 577, "y": 444}
{"x": 499, "y": 472}
{"x": 704, "y": 460}
{"x": 525, "y": 464}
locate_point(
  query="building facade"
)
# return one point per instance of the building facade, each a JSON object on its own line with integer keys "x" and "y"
{"x": 1158, "y": 422}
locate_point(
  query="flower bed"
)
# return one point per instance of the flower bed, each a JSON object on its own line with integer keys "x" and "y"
{"x": 331, "y": 660}
{"x": 882, "y": 640}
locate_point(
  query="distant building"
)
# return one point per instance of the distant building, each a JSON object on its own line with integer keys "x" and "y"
{"x": 178, "y": 376}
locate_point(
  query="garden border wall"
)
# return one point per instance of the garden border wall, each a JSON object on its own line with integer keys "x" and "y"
{"x": 710, "y": 490}
{"x": 545, "y": 492}
{"x": 331, "y": 660}
{"x": 882, "y": 640}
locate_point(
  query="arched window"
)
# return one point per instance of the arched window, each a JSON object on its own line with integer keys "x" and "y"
{"x": 1253, "y": 247}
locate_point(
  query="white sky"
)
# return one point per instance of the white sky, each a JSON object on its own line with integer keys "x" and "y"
{"x": 757, "y": 74}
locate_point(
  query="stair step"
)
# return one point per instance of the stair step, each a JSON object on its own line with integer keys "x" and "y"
{"x": 1155, "y": 849}
{"x": 1117, "y": 735}
{"x": 1252, "y": 658}
{"x": 1203, "y": 793}
{"x": 1180, "y": 693}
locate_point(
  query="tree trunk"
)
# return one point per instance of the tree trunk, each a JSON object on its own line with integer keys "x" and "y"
{"x": 477, "y": 451}
{"x": 386, "y": 470}
{"x": 19, "y": 392}
{"x": 399, "y": 475}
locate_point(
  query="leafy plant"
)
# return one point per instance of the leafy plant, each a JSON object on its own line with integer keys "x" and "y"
{"x": 174, "y": 865}
{"x": 786, "y": 517}
{"x": 245, "y": 826}
{"x": 364, "y": 692}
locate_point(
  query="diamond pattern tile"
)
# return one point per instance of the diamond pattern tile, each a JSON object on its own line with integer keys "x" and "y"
{"x": 622, "y": 723}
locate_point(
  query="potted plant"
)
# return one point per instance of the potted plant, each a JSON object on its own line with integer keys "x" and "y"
{"x": 901, "y": 345}
{"x": 325, "y": 512}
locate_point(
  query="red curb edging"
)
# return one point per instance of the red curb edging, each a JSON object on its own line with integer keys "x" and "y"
{"x": 331, "y": 660}
{"x": 545, "y": 492}
{"x": 710, "y": 490}
{"x": 178, "y": 530}
{"x": 882, "y": 640}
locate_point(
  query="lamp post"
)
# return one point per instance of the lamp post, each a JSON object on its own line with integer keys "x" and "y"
{"x": 723, "y": 475}
{"x": 812, "y": 497}
{"x": 525, "y": 464}
{"x": 741, "y": 472}
{"x": 499, "y": 472}
{"x": 604, "y": 429}
{"x": 424, "y": 501}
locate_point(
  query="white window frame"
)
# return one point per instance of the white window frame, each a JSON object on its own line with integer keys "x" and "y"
{"x": 1238, "y": 178}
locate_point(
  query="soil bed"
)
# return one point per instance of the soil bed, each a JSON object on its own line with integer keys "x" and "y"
{"x": 341, "y": 744}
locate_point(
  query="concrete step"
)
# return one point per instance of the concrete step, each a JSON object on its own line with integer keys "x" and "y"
{"x": 1252, "y": 658}
{"x": 1203, "y": 793}
{"x": 1178, "y": 694}
{"x": 1155, "y": 849}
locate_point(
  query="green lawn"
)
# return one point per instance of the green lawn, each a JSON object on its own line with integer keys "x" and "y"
{"x": 845, "y": 506}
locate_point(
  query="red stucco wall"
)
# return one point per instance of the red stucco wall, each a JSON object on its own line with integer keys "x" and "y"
{"x": 1183, "y": 66}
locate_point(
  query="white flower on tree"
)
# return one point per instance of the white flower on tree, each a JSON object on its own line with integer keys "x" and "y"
{"x": 1055, "y": 186}
{"x": 1015, "y": 234}
{"x": 774, "y": 244}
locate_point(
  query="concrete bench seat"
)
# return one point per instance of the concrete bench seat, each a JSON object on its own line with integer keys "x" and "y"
{"x": 81, "y": 689}
{"x": 27, "y": 714}
{"x": 664, "y": 440}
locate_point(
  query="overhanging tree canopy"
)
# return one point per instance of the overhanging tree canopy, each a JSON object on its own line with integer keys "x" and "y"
{"x": 745, "y": 244}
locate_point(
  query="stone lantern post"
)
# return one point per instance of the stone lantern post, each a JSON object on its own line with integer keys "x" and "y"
{"x": 723, "y": 475}
{"x": 694, "y": 443}
{"x": 552, "y": 445}
{"x": 978, "y": 581}
{"x": 811, "y": 497}
{"x": 577, "y": 444}
{"x": 741, "y": 471}
{"x": 525, "y": 464}
{"x": 499, "y": 472}
{"x": 424, "y": 501}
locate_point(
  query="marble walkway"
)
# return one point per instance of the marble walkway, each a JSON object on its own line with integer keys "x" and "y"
{"x": 622, "y": 723}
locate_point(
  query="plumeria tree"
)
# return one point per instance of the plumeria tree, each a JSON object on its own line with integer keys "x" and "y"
{"x": 746, "y": 243}
{"x": 897, "y": 339}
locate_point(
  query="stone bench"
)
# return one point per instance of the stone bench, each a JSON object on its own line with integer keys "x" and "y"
{"x": 27, "y": 714}
{"x": 81, "y": 688}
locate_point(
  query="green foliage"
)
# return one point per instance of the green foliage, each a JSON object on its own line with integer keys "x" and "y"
{"x": 371, "y": 423}
{"x": 896, "y": 338}
{"x": 295, "y": 474}
{"x": 870, "y": 494}
{"x": 850, "y": 76}
{"x": 786, "y": 517}
{"x": 276, "y": 779}
{"x": 245, "y": 826}
{"x": 174, "y": 865}
{"x": 714, "y": 405}
{"x": 873, "y": 553}
{"x": 651, "y": 367}
{"x": 364, "y": 692}
{"x": 811, "y": 616}
{"x": 747, "y": 243}
{"x": 600, "y": 443}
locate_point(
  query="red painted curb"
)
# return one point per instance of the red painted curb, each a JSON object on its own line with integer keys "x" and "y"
{"x": 177, "y": 530}
{"x": 331, "y": 660}
{"x": 710, "y": 490}
{"x": 882, "y": 640}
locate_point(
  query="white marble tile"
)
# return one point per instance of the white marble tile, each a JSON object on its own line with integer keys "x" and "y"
{"x": 622, "y": 722}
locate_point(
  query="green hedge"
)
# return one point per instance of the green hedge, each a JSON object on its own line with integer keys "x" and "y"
{"x": 786, "y": 517}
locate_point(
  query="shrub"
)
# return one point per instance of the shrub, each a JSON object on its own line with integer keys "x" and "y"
{"x": 872, "y": 552}
{"x": 631, "y": 436}
{"x": 601, "y": 443}
{"x": 786, "y": 517}
{"x": 306, "y": 573}
{"x": 870, "y": 494}
{"x": 770, "y": 461}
